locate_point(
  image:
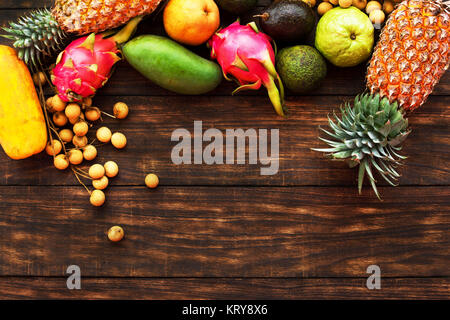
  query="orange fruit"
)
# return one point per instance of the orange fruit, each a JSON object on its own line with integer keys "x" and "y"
{"x": 191, "y": 22}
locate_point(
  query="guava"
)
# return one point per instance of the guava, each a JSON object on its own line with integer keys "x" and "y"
{"x": 345, "y": 37}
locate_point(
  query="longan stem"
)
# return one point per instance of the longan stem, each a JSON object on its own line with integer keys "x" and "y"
{"x": 79, "y": 180}
{"x": 109, "y": 115}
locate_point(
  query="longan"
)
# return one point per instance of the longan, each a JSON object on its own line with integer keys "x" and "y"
{"x": 89, "y": 152}
{"x": 75, "y": 156}
{"x": 59, "y": 119}
{"x": 120, "y": 110}
{"x": 80, "y": 128}
{"x": 97, "y": 198}
{"x": 96, "y": 171}
{"x": 80, "y": 142}
{"x": 104, "y": 134}
{"x": 115, "y": 234}
{"x": 61, "y": 162}
{"x": 151, "y": 181}
{"x": 92, "y": 113}
{"x": 324, "y": 7}
{"x": 100, "y": 184}
{"x": 73, "y": 111}
{"x": 111, "y": 169}
{"x": 66, "y": 135}
{"x": 119, "y": 140}
{"x": 54, "y": 148}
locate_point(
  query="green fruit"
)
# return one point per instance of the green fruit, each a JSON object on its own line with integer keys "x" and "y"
{"x": 172, "y": 66}
{"x": 302, "y": 68}
{"x": 345, "y": 36}
{"x": 237, "y": 6}
{"x": 288, "y": 20}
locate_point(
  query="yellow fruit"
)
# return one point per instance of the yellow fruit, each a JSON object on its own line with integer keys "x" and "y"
{"x": 104, "y": 134}
{"x": 66, "y": 135}
{"x": 191, "y": 22}
{"x": 88, "y": 16}
{"x": 151, "y": 180}
{"x": 23, "y": 131}
{"x": 53, "y": 149}
{"x": 372, "y": 5}
{"x": 115, "y": 234}
{"x": 120, "y": 110}
{"x": 324, "y": 7}
{"x": 58, "y": 104}
{"x": 96, "y": 171}
{"x": 101, "y": 183}
{"x": 388, "y": 7}
{"x": 111, "y": 169}
{"x": 75, "y": 156}
{"x": 412, "y": 53}
{"x": 345, "y": 3}
{"x": 89, "y": 152}
{"x": 360, "y": 4}
{"x": 376, "y": 16}
{"x": 61, "y": 162}
{"x": 73, "y": 111}
{"x": 97, "y": 198}
{"x": 119, "y": 140}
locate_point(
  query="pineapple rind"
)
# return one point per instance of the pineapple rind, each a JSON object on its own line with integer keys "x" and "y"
{"x": 412, "y": 53}
{"x": 87, "y": 16}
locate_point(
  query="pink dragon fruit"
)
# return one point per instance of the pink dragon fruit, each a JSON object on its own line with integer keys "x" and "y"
{"x": 247, "y": 54}
{"x": 85, "y": 65}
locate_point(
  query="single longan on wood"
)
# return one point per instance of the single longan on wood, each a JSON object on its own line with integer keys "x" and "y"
{"x": 54, "y": 148}
{"x": 104, "y": 134}
{"x": 111, "y": 169}
{"x": 96, "y": 171}
{"x": 97, "y": 198}
{"x": 66, "y": 135}
{"x": 79, "y": 142}
{"x": 89, "y": 152}
{"x": 100, "y": 184}
{"x": 120, "y": 110}
{"x": 75, "y": 156}
{"x": 115, "y": 234}
{"x": 151, "y": 181}
{"x": 61, "y": 162}
{"x": 119, "y": 140}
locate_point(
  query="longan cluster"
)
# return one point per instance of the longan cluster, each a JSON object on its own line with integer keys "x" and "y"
{"x": 69, "y": 145}
{"x": 377, "y": 10}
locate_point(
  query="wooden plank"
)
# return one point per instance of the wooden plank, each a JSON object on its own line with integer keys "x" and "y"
{"x": 153, "y": 119}
{"x": 226, "y": 232}
{"x": 223, "y": 288}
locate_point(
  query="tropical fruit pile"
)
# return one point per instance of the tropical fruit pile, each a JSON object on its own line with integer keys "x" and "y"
{"x": 410, "y": 57}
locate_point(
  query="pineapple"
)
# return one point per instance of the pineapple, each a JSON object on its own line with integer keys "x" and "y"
{"x": 42, "y": 31}
{"x": 412, "y": 54}
{"x": 409, "y": 60}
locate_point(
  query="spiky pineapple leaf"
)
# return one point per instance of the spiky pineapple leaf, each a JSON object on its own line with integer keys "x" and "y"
{"x": 369, "y": 134}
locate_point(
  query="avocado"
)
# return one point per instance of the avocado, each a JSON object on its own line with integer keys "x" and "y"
{"x": 237, "y": 6}
{"x": 288, "y": 20}
{"x": 301, "y": 68}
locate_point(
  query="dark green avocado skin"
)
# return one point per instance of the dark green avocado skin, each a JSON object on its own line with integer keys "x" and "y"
{"x": 288, "y": 20}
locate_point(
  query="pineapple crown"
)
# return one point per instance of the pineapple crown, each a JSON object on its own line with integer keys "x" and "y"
{"x": 369, "y": 135}
{"x": 35, "y": 35}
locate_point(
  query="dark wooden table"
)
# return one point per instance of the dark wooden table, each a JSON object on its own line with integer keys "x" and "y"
{"x": 225, "y": 231}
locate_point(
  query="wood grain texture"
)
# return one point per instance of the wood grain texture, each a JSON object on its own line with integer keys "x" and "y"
{"x": 223, "y": 288}
{"x": 226, "y": 232}
{"x": 153, "y": 119}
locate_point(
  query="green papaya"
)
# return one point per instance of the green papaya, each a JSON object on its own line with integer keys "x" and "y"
{"x": 172, "y": 66}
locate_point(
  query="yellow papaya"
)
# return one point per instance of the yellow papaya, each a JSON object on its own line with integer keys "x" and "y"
{"x": 23, "y": 130}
